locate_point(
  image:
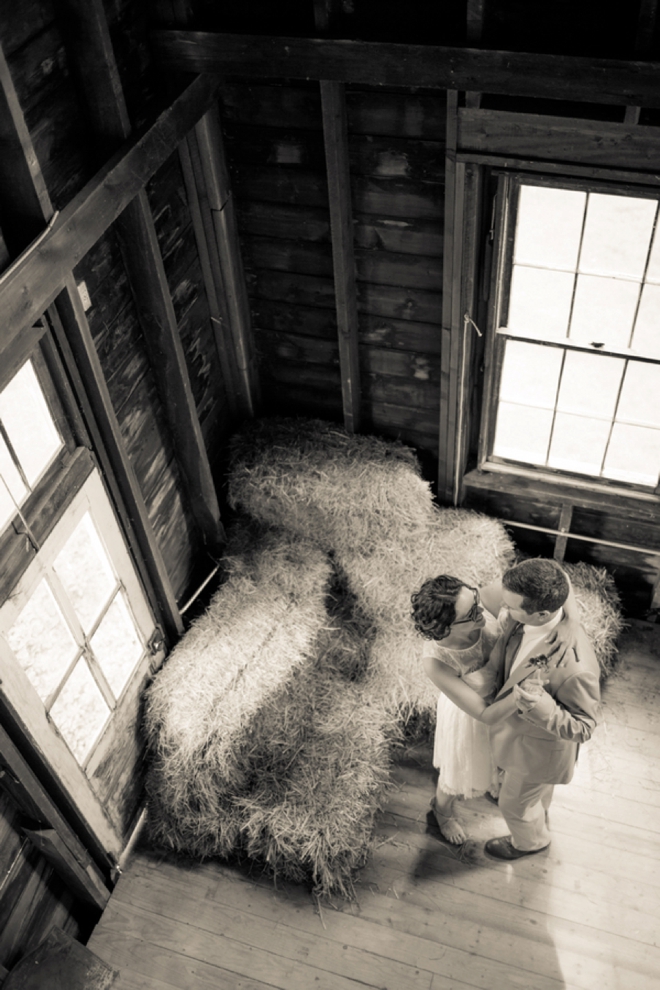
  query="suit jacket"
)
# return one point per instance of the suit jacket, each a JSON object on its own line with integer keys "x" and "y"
{"x": 542, "y": 744}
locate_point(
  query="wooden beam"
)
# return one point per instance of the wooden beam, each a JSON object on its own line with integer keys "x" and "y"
{"x": 32, "y": 799}
{"x": 208, "y": 133}
{"x": 31, "y": 283}
{"x": 565, "y": 139}
{"x": 556, "y": 77}
{"x": 25, "y": 211}
{"x": 146, "y": 272}
{"x": 91, "y": 53}
{"x": 450, "y": 285}
{"x": 474, "y": 30}
{"x": 79, "y": 881}
{"x": 335, "y": 136}
{"x": 561, "y": 540}
{"x": 202, "y": 221}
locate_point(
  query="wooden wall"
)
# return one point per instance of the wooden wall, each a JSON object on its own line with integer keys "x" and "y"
{"x": 396, "y": 154}
{"x": 35, "y": 47}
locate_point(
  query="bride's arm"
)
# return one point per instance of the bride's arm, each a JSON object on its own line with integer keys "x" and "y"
{"x": 465, "y": 697}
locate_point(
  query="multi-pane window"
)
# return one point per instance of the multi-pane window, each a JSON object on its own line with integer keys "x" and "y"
{"x": 70, "y": 625}
{"x": 577, "y": 353}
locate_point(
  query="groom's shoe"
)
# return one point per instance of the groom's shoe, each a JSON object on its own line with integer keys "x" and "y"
{"x": 502, "y": 848}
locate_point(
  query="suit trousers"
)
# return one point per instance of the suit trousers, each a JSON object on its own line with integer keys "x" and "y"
{"x": 523, "y": 804}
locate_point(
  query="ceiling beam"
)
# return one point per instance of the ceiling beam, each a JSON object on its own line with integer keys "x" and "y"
{"x": 557, "y": 77}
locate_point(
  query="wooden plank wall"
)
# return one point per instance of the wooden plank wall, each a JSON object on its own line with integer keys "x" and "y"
{"x": 36, "y": 53}
{"x": 32, "y": 896}
{"x": 274, "y": 143}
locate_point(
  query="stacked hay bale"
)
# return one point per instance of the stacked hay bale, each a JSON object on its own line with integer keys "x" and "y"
{"x": 363, "y": 498}
{"x": 271, "y": 726}
{"x": 259, "y": 742}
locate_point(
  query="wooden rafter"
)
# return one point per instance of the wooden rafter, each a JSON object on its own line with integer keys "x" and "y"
{"x": 92, "y": 56}
{"x": 557, "y": 77}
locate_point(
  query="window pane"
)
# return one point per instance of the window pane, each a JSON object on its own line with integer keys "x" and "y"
{"x": 590, "y": 384}
{"x": 604, "y": 310}
{"x": 640, "y": 395}
{"x": 530, "y": 374}
{"x": 617, "y": 235}
{"x": 549, "y": 226}
{"x": 646, "y": 338}
{"x": 578, "y": 443}
{"x": 80, "y": 711}
{"x": 28, "y": 422}
{"x": 83, "y": 568}
{"x": 633, "y": 455}
{"x": 522, "y": 432}
{"x": 42, "y": 641}
{"x": 540, "y": 302}
{"x": 116, "y": 645}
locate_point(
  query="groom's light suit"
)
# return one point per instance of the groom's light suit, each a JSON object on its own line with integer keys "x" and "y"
{"x": 538, "y": 748}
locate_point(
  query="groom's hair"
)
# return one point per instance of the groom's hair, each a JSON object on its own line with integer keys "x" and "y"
{"x": 541, "y": 582}
{"x": 434, "y": 606}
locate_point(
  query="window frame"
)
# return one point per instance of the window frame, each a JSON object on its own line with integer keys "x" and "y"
{"x": 503, "y": 204}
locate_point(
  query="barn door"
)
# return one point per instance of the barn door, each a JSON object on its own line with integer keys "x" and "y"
{"x": 77, "y": 637}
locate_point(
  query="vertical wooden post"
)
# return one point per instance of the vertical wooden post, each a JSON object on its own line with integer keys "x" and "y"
{"x": 474, "y": 29}
{"x": 335, "y": 136}
{"x": 449, "y": 353}
{"x": 221, "y": 202}
{"x": 565, "y": 518}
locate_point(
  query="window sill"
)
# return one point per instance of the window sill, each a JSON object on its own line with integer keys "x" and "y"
{"x": 558, "y": 491}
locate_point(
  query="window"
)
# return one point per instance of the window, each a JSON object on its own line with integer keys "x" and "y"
{"x": 575, "y": 369}
{"x": 70, "y": 626}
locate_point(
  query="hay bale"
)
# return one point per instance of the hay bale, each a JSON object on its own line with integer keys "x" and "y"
{"x": 262, "y": 739}
{"x": 336, "y": 489}
{"x": 315, "y": 822}
{"x": 202, "y": 707}
{"x": 599, "y": 606}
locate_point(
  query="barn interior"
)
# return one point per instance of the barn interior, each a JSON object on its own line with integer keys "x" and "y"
{"x": 217, "y": 213}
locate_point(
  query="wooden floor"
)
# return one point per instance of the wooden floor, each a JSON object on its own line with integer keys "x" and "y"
{"x": 586, "y": 914}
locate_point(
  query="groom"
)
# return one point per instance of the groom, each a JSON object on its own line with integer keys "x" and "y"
{"x": 538, "y": 745}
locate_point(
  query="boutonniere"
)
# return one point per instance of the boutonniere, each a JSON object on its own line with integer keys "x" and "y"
{"x": 541, "y": 662}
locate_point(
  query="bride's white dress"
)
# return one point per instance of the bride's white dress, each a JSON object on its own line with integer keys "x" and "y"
{"x": 461, "y": 751}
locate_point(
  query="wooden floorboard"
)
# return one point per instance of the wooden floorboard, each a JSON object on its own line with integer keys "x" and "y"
{"x": 429, "y": 916}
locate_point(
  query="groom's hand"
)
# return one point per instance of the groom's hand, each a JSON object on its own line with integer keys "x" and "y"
{"x": 529, "y": 691}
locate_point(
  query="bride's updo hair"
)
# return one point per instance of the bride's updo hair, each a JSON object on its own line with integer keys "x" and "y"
{"x": 434, "y": 606}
